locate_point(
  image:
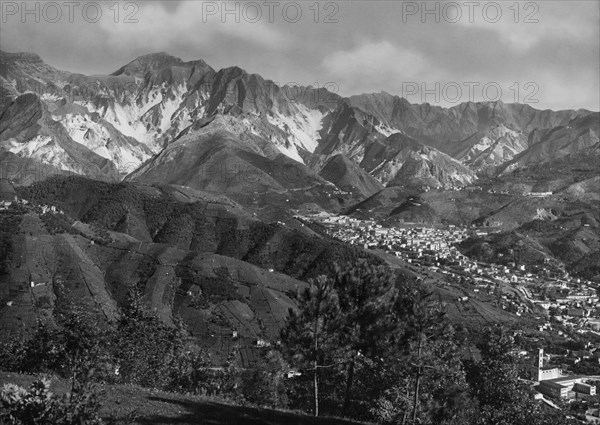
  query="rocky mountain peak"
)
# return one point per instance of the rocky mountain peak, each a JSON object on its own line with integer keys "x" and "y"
{"x": 19, "y": 56}
{"x": 155, "y": 62}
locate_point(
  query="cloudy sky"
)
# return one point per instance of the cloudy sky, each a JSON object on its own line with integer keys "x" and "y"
{"x": 545, "y": 53}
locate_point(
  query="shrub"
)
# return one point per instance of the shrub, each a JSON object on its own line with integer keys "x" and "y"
{"x": 265, "y": 384}
{"x": 148, "y": 352}
{"x": 39, "y": 406}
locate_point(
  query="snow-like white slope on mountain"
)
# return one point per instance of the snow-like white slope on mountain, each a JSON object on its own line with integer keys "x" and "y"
{"x": 400, "y": 160}
{"x": 191, "y": 107}
{"x": 85, "y": 131}
{"x": 157, "y": 115}
{"x": 50, "y": 97}
{"x": 501, "y": 144}
{"x": 291, "y": 151}
{"x": 42, "y": 148}
{"x": 148, "y": 117}
{"x": 386, "y": 130}
{"x": 253, "y": 125}
{"x": 303, "y": 127}
{"x": 126, "y": 120}
{"x": 127, "y": 117}
{"x": 168, "y": 106}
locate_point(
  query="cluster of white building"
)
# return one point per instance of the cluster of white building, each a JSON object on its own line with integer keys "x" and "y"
{"x": 409, "y": 241}
{"x": 50, "y": 209}
{"x": 45, "y": 209}
{"x": 5, "y": 204}
{"x": 435, "y": 248}
{"x": 553, "y": 383}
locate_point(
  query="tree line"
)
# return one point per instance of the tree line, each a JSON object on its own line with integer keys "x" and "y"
{"x": 363, "y": 343}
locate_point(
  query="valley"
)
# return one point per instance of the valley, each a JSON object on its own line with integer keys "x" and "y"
{"x": 213, "y": 206}
{"x": 209, "y": 171}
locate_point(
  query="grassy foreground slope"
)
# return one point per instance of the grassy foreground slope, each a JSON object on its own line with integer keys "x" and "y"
{"x": 125, "y": 404}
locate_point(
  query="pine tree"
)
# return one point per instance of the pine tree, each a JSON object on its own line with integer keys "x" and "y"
{"x": 424, "y": 381}
{"x": 365, "y": 294}
{"x": 383, "y": 338}
{"x": 310, "y": 331}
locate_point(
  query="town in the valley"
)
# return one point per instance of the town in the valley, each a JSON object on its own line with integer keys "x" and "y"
{"x": 560, "y": 305}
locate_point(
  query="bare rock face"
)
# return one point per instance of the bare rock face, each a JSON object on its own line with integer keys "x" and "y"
{"x": 125, "y": 123}
{"x": 580, "y": 135}
{"x": 348, "y": 176}
{"x": 400, "y": 160}
{"x": 454, "y": 130}
{"x": 28, "y": 131}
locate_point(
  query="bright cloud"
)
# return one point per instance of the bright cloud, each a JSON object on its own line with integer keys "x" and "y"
{"x": 524, "y": 25}
{"x": 160, "y": 28}
{"x": 376, "y": 64}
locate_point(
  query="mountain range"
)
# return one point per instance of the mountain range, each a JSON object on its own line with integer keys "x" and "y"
{"x": 187, "y": 184}
{"x": 159, "y": 118}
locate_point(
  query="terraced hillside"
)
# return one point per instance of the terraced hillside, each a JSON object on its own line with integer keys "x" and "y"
{"x": 196, "y": 255}
{"x": 231, "y": 277}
